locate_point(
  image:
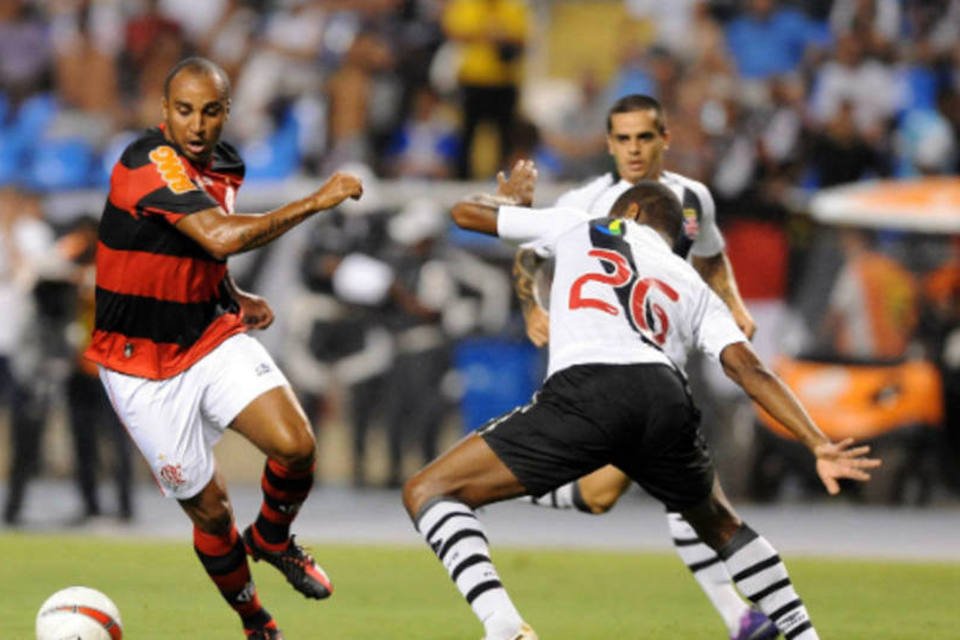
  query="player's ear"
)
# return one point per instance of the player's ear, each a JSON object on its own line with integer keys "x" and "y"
{"x": 164, "y": 107}
{"x": 666, "y": 138}
{"x": 226, "y": 110}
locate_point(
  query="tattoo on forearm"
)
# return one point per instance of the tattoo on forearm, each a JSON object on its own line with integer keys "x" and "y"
{"x": 251, "y": 240}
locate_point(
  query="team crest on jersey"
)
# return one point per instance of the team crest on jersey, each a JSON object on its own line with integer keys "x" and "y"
{"x": 171, "y": 169}
{"x": 611, "y": 228}
{"x": 171, "y": 475}
{"x": 691, "y": 226}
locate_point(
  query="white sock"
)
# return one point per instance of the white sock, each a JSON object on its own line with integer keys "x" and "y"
{"x": 709, "y": 570}
{"x": 761, "y": 576}
{"x": 453, "y": 532}
{"x": 560, "y": 498}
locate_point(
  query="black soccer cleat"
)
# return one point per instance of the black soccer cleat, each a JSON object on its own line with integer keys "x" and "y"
{"x": 297, "y": 566}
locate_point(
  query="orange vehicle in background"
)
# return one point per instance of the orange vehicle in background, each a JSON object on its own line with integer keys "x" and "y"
{"x": 880, "y": 307}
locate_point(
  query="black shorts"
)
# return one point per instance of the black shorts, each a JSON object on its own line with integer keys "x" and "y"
{"x": 639, "y": 418}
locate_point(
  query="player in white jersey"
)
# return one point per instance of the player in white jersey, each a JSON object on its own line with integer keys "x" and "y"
{"x": 637, "y": 137}
{"x": 613, "y": 396}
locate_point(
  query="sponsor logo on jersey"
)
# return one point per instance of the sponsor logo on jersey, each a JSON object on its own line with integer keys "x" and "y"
{"x": 262, "y": 369}
{"x": 171, "y": 169}
{"x": 691, "y": 226}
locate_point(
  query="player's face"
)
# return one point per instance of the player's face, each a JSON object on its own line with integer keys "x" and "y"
{"x": 195, "y": 112}
{"x": 637, "y": 145}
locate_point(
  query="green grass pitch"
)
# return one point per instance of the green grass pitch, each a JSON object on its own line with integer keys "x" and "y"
{"x": 403, "y": 593}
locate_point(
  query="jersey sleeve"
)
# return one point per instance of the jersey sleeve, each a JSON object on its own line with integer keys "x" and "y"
{"x": 537, "y": 229}
{"x": 715, "y": 328}
{"x": 709, "y": 240}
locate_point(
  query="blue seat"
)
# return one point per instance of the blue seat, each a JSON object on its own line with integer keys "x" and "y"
{"x": 58, "y": 165}
{"x": 275, "y": 158}
{"x": 498, "y": 375}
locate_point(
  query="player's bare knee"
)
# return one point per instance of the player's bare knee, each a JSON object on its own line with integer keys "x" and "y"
{"x": 210, "y": 515}
{"x": 600, "y": 504}
{"x": 423, "y": 487}
{"x": 295, "y": 447}
{"x": 417, "y": 491}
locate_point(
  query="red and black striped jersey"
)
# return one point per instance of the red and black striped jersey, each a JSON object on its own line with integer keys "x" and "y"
{"x": 161, "y": 300}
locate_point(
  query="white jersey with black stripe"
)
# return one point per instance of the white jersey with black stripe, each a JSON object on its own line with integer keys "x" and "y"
{"x": 619, "y": 294}
{"x": 700, "y": 214}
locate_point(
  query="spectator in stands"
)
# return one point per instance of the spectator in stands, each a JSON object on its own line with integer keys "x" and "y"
{"x": 25, "y": 50}
{"x": 493, "y": 37}
{"x": 153, "y": 44}
{"x": 577, "y": 140}
{"x": 839, "y": 153}
{"x": 282, "y": 67}
{"x": 351, "y": 96}
{"x": 770, "y": 38}
{"x": 867, "y": 85}
{"x": 879, "y": 22}
{"x": 426, "y": 144}
{"x": 88, "y": 38}
{"x": 872, "y": 311}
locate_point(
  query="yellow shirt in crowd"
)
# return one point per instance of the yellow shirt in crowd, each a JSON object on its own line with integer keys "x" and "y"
{"x": 492, "y": 34}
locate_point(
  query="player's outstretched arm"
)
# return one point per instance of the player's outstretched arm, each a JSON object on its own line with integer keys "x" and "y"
{"x": 222, "y": 234}
{"x": 717, "y": 272}
{"x": 835, "y": 460}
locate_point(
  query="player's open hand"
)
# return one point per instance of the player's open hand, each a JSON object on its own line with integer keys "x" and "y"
{"x": 521, "y": 183}
{"x": 338, "y": 188}
{"x": 838, "y": 460}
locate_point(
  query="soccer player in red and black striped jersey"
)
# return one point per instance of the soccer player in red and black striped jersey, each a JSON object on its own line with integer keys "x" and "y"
{"x": 170, "y": 336}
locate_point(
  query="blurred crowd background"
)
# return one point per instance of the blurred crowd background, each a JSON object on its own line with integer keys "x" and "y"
{"x": 405, "y": 333}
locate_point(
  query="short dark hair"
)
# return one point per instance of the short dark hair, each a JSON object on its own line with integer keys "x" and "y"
{"x": 638, "y": 102}
{"x": 196, "y": 64}
{"x": 659, "y": 206}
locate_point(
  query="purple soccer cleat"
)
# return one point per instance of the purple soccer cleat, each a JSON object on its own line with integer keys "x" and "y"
{"x": 754, "y": 625}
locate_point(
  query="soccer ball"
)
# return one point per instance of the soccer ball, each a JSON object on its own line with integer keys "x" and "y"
{"x": 78, "y": 613}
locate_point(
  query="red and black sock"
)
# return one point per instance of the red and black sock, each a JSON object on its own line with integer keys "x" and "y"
{"x": 225, "y": 561}
{"x": 284, "y": 490}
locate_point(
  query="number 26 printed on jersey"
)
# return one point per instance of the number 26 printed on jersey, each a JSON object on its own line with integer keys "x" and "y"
{"x": 645, "y": 315}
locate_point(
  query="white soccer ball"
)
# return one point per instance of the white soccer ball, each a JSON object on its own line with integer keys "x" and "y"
{"x": 79, "y": 613}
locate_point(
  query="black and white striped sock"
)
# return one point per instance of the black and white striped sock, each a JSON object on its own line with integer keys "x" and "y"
{"x": 762, "y": 577}
{"x": 564, "y": 497}
{"x": 709, "y": 571}
{"x": 453, "y": 532}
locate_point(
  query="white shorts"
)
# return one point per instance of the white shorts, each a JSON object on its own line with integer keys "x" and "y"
{"x": 176, "y": 422}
